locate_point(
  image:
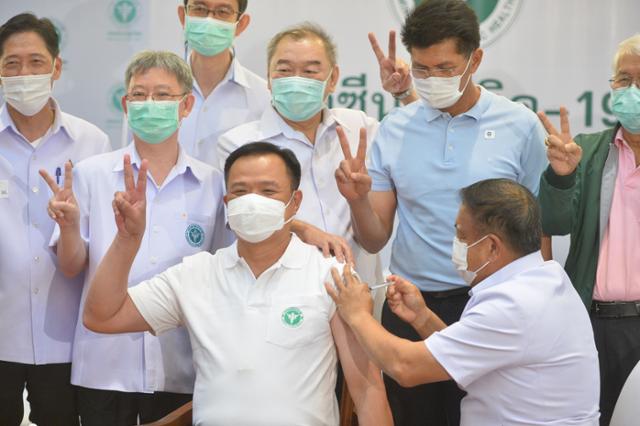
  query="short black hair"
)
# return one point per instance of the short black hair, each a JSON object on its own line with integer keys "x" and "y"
{"x": 255, "y": 149}
{"x": 242, "y": 5}
{"x": 435, "y": 21}
{"x": 28, "y": 22}
{"x": 507, "y": 209}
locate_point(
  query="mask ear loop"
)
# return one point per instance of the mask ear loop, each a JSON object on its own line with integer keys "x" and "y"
{"x": 287, "y": 205}
{"x": 465, "y": 70}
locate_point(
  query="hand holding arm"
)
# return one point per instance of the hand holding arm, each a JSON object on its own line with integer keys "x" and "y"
{"x": 329, "y": 244}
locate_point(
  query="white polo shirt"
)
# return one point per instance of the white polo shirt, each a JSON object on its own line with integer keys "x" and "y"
{"x": 263, "y": 349}
{"x": 239, "y": 98}
{"x": 38, "y": 305}
{"x": 183, "y": 218}
{"x": 523, "y": 350}
{"x": 322, "y": 204}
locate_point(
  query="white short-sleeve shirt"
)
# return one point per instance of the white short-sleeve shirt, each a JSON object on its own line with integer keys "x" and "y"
{"x": 184, "y": 217}
{"x": 523, "y": 350}
{"x": 322, "y": 204}
{"x": 38, "y": 305}
{"x": 263, "y": 349}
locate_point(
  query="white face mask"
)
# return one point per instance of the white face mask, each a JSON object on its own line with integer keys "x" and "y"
{"x": 441, "y": 92}
{"x": 28, "y": 94}
{"x": 254, "y": 218}
{"x": 459, "y": 259}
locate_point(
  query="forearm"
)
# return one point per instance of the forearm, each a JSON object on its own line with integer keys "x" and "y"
{"x": 428, "y": 324}
{"x": 372, "y": 407}
{"x": 108, "y": 289}
{"x": 370, "y": 232}
{"x": 71, "y": 251}
{"x": 556, "y": 199}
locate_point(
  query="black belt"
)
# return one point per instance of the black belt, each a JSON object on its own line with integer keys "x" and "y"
{"x": 615, "y": 309}
{"x": 447, "y": 293}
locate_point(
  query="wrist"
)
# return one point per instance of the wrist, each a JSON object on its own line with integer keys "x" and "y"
{"x": 421, "y": 323}
{"x": 403, "y": 94}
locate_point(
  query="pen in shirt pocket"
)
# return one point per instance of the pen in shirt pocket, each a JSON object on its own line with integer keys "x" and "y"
{"x": 58, "y": 174}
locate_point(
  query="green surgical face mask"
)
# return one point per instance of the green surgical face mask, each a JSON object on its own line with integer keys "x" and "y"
{"x": 208, "y": 36}
{"x": 153, "y": 121}
{"x": 298, "y": 98}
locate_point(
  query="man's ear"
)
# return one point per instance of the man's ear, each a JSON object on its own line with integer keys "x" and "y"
{"x": 243, "y": 23}
{"x": 181, "y": 14}
{"x": 476, "y": 60}
{"x": 123, "y": 102}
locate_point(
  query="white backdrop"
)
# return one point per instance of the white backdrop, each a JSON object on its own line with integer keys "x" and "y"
{"x": 545, "y": 53}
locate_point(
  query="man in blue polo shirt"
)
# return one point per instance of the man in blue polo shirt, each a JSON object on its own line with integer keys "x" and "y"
{"x": 423, "y": 154}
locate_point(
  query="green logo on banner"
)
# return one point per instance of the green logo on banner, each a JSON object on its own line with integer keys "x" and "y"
{"x": 495, "y": 16}
{"x": 116, "y": 94}
{"x": 292, "y": 317}
{"x": 125, "y": 11}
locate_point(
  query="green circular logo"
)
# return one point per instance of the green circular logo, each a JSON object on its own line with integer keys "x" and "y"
{"x": 292, "y": 317}
{"x": 124, "y": 12}
{"x": 194, "y": 235}
{"x": 115, "y": 95}
{"x": 495, "y": 16}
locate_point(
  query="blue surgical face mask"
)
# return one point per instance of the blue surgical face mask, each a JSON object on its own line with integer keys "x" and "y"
{"x": 209, "y": 36}
{"x": 298, "y": 98}
{"x": 153, "y": 121}
{"x": 625, "y": 105}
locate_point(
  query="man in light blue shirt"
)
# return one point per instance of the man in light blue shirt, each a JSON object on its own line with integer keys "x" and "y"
{"x": 423, "y": 154}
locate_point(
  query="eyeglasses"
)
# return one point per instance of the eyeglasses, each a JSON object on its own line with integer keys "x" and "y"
{"x": 223, "y": 13}
{"x": 623, "y": 81}
{"x": 156, "y": 97}
{"x": 425, "y": 72}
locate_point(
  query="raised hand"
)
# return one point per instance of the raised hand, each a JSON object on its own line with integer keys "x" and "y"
{"x": 352, "y": 297}
{"x": 563, "y": 153}
{"x": 394, "y": 73}
{"x": 405, "y": 300}
{"x": 63, "y": 207}
{"x": 130, "y": 206}
{"x": 351, "y": 176}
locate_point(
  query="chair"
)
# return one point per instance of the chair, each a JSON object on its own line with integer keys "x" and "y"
{"x": 183, "y": 416}
{"x": 627, "y": 409}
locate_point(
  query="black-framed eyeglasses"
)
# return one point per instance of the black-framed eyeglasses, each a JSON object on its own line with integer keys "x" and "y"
{"x": 223, "y": 13}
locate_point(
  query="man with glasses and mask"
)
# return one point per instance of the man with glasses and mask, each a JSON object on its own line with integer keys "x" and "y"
{"x": 591, "y": 191}
{"x": 39, "y": 306}
{"x": 226, "y": 94}
{"x": 265, "y": 333}
{"x": 459, "y": 133}
{"x": 523, "y": 348}
{"x": 121, "y": 378}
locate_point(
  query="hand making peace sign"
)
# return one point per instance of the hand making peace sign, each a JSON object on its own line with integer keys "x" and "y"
{"x": 563, "y": 153}
{"x": 394, "y": 73}
{"x": 129, "y": 207}
{"x": 63, "y": 207}
{"x": 351, "y": 176}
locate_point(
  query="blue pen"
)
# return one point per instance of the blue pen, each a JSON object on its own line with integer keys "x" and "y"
{"x": 58, "y": 174}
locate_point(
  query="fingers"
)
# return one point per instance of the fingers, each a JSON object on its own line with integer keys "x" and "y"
{"x": 547, "y": 123}
{"x": 554, "y": 142}
{"x": 68, "y": 175}
{"x": 337, "y": 279}
{"x": 123, "y": 206}
{"x": 326, "y": 251}
{"x": 392, "y": 46}
{"x": 332, "y": 292}
{"x": 362, "y": 145}
{"x": 564, "y": 121}
{"x": 344, "y": 143}
{"x": 52, "y": 183}
{"x": 141, "y": 188}
{"x": 128, "y": 174}
{"x": 376, "y": 47}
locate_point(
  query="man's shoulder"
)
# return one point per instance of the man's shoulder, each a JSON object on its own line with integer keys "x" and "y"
{"x": 517, "y": 111}
{"x": 252, "y": 81}
{"x": 83, "y": 130}
{"x": 242, "y": 134}
{"x": 100, "y": 163}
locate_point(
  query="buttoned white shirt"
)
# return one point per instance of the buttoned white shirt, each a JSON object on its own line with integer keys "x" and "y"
{"x": 523, "y": 350}
{"x": 322, "y": 204}
{"x": 262, "y": 347}
{"x": 183, "y": 218}
{"x": 239, "y": 98}
{"x": 38, "y": 305}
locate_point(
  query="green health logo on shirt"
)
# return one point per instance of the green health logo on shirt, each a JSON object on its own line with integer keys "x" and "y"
{"x": 292, "y": 317}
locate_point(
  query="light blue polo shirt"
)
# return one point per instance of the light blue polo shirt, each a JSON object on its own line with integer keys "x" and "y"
{"x": 427, "y": 156}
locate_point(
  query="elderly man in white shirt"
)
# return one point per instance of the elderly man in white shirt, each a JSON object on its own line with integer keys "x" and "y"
{"x": 264, "y": 332}
{"x": 121, "y": 377}
{"x": 303, "y": 72}
{"x": 38, "y": 305}
{"x": 522, "y": 350}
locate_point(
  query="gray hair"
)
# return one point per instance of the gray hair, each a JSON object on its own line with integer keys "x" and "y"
{"x": 507, "y": 209}
{"x": 304, "y": 31}
{"x": 168, "y": 61}
{"x": 630, "y": 46}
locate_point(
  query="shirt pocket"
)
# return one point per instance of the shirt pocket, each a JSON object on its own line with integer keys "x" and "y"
{"x": 297, "y": 321}
{"x": 194, "y": 231}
